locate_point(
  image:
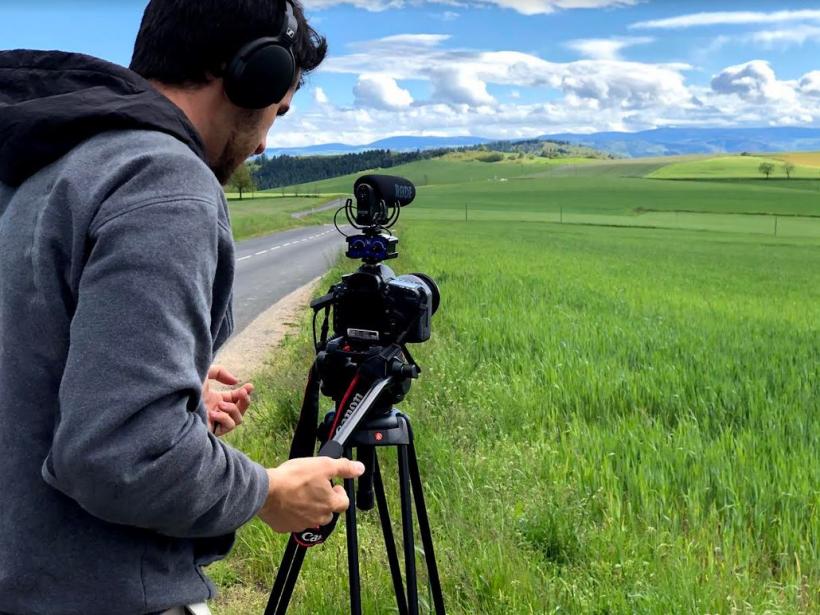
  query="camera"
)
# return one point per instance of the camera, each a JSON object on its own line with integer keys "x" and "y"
{"x": 374, "y": 306}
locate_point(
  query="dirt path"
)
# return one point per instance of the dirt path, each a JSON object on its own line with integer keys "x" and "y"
{"x": 246, "y": 353}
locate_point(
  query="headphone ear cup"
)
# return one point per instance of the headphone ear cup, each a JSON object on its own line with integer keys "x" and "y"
{"x": 261, "y": 76}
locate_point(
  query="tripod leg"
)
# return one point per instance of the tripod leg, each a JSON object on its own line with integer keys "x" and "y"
{"x": 352, "y": 547}
{"x": 424, "y": 530}
{"x": 286, "y": 578}
{"x": 389, "y": 542}
{"x": 407, "y": 531}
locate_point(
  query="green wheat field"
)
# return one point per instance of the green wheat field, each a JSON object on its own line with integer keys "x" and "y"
{"x": 620, "y": 406}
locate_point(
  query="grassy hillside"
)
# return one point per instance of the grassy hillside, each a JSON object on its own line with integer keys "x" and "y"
{"x": 731, "y": 167}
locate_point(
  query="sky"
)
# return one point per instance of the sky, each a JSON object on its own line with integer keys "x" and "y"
{"x": 507, "y": 69}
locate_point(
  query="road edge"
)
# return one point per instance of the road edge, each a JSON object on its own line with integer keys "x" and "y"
{"x": 247, "y": 352}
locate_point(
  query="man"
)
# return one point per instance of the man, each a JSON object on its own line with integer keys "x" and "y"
{"x": 116, "y": 266}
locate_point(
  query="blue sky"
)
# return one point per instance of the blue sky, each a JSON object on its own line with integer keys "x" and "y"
{"x": 508, "y": 68}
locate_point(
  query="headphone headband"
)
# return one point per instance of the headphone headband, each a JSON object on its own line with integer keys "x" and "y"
{"x": 289, "y": 24}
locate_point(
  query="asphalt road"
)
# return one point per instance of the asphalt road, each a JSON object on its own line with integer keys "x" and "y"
{"x": 271, "y": 267}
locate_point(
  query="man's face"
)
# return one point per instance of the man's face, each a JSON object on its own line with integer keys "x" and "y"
{"x": 248, "y": 136}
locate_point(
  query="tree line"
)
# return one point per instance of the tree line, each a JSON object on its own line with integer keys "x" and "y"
{"x": 287, "y": 170}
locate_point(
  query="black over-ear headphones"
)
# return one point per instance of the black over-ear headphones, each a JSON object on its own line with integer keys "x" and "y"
{"x": 261, "y": 72}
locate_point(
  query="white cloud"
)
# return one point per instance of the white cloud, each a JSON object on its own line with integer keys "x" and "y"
{"x": 451, "y": 85}
{"x": 606, "y": 48}
{"x": 413, "y": 40}
{"x": 755, "y": 82}
{"x": 625, "y": 85}
{"x": 381, "y": 92}
{"x": 727, "y": 18}
{"x": 319, "y": 96}
{"x": 525, "y": 7}
{"x": 796, "y": 35}
{"x": 752, "y": 93}
{"x": 539, "y": 7}
{"x": 810, "y": 84}
{"x": 461, "y": 76}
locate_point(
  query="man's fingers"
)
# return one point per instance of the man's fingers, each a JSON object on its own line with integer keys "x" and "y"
{"x": 340, "y": 501}
{"x": 345, "y": 468}
{"x": 240, "y": 396}
{"x": 220, "y": 374}
{"x": 232, "y": 410}
{"x": 223, "y": 421}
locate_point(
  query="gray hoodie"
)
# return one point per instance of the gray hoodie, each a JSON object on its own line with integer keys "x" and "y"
{"x": 116, "y": 266}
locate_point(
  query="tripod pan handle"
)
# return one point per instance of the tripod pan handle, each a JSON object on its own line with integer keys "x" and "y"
{"x": 316, "y": 536}
{"x": 331, "y": 449}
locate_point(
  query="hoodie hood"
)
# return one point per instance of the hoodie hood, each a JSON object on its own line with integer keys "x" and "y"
{"x": 52, "y": 101}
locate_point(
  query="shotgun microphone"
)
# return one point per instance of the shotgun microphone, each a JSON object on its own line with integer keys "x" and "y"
{"x": 388, "y": 188}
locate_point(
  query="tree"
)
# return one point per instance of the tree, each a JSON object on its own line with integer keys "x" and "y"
{"x": 242, "y": 181}
{"x": 766, "y": 168}
{"x": 788, "y": 168}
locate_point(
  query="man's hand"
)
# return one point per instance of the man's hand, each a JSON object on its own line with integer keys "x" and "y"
{"x": 225, "y": 408}
{"x": 301, "y": 496}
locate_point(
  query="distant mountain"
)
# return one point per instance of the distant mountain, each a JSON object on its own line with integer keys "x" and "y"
{"x": 679, "y": 141}
{"x": 396, "y": 144}
{"x": 658, "y": 142}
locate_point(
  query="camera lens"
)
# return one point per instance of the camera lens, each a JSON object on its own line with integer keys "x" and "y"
{"x": 427, "y": 282}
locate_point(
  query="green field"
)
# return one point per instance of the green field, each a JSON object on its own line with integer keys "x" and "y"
{"x": 265, "y": 213}
{"x": 731, "y": 166}
{"x": 610, "y": 419}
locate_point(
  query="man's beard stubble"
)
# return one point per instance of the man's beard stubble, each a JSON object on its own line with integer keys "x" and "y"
{"x": 240, "y": 145}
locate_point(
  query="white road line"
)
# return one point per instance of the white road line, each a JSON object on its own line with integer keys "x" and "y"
{"x": 284, "y": 245}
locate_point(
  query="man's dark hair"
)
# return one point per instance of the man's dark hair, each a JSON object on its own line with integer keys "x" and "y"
{"x": 190, "y": 42}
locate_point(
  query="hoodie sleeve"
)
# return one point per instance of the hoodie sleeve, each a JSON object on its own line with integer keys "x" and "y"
{"x": 129, "y": 446}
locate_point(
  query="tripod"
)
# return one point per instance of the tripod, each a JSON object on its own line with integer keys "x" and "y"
{"x": 365, "y": 421}
{"x": 390, "y": 430}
